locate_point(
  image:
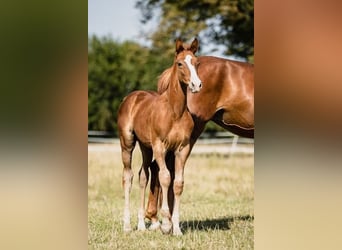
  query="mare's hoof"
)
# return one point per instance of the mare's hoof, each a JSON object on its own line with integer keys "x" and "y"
{"x": 154, "y": 226}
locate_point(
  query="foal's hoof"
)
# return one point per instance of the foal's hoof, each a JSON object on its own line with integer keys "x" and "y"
{"x": 154, "y": 226}
{"x": 177, "y": 232}
{"x": 166, "y": 228}
{"x": 127, "y": 228}
{"x": 141, "y": 226}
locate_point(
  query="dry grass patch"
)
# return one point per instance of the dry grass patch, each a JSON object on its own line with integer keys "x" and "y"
{"x": 216, "y": 205}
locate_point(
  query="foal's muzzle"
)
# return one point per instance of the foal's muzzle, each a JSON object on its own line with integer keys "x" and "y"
{"x": 195, "y": 87}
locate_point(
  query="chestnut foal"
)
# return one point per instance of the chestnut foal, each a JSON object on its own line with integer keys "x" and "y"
{"x": 160, "y": 123}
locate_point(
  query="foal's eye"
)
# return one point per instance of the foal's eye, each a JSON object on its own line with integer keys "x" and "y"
{"x": 179, "y": 64}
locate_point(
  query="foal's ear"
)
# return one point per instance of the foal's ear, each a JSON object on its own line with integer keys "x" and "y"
{"x": 179, "y": 46}
{"x": 194, "y": 46}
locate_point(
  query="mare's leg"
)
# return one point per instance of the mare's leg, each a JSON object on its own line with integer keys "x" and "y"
{"x": 165, "y": 180}
{"x": 143, "y": 179}
{"x": 170, "y": 162}
{"x": 127, "y": 142}
{"x": 152, "y": 205}
{"x": 178, "y": 184}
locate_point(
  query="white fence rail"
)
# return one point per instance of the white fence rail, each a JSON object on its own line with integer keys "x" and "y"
{"x": 219, "y": 143}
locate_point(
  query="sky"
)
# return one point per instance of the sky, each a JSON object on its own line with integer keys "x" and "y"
{"x": 120, "y": 20}
{"x": 117, "y": 18}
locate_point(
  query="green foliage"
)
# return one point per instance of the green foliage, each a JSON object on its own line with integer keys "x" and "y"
{"x": 212, "y": 127}
{"x": 117, "y": 68}
{"x": 114, "y": 70}
{"x": 225, "y": 22}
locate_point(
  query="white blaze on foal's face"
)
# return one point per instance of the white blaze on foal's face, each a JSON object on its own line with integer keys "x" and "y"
{"x": 195, "y": 83}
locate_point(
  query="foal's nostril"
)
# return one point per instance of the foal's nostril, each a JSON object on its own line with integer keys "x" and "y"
{"x": 200, "y": 85}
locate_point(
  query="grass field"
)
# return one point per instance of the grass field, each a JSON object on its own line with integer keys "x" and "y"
{"x": 216, "y": 205}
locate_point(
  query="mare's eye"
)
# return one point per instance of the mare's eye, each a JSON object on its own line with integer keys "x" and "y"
{"x": 179, "y": 64}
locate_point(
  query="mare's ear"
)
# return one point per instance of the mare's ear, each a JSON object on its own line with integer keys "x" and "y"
{"x": 194, "y": 46}
{"x": 179, "y": 46}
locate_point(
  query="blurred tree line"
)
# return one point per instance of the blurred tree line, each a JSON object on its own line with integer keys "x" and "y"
{"x": 227, "y": 23}
{"x": 116, "y": 68}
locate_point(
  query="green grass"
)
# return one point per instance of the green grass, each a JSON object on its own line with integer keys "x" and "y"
{"x": 216, "y": 205}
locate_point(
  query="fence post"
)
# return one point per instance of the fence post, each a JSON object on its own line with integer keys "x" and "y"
{"x": 234, "y": 143}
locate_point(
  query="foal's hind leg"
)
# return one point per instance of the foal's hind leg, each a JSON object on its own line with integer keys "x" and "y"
{"x": 127, "y": 145}
{"x": 143, "y": 179}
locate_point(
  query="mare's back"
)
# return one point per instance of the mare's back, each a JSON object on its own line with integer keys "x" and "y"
{"x": 223, "y": 81}
{"x": 225, "y": 71}
{"x": 227, "y": 96}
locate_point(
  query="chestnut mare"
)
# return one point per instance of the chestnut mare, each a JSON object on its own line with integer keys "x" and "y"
{"x": 161, "y": 124}
{"x": 227, "y": 98}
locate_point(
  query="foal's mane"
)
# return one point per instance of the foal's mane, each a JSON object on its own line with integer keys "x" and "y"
{"x": 164, "y": 80}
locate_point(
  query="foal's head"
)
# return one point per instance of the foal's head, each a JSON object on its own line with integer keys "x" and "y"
{"x": 186, "y": 64}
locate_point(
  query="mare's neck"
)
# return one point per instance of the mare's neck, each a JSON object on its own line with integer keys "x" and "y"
{"x": 176, "y": 95}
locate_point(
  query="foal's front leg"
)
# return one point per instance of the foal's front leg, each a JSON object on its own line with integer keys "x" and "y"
{"x": 154, "y": 198}
{"x": 178, "y": 184}
{"x": 165, "y": 180}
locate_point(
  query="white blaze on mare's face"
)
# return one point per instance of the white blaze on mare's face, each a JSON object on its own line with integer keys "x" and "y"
{"x": 195, "y": 82}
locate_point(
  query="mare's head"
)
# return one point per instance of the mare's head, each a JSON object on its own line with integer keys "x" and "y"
{"x": 186, "y": 65}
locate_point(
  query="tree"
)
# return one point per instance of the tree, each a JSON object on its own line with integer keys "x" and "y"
{"x": 225, "y": 22}
{"x": 114, "y": 70}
